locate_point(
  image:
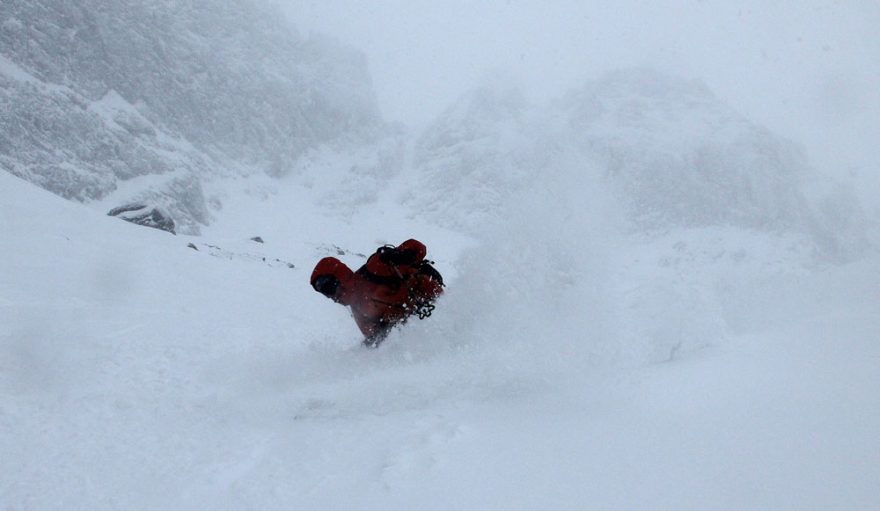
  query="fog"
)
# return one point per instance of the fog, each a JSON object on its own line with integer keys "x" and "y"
{"x": 651, "y": 302}
{"x": 808, "y": 70}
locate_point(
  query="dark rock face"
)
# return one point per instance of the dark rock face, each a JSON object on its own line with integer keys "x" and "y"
{"x": 142, "y": 214}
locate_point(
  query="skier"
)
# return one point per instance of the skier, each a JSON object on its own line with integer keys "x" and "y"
{"x": 394, "y": 284}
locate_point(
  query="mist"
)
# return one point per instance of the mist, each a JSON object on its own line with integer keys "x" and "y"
{"x": 657, "y": 224}
{"x": 809, "y": 70}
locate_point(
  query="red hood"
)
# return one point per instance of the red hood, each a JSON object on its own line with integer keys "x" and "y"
{"x": 334, "y": 267}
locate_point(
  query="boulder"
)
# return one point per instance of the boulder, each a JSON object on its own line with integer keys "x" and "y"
{"x": 142, "y": 214}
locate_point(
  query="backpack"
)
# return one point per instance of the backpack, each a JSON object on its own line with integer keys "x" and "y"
{"x": 427, "y": 268}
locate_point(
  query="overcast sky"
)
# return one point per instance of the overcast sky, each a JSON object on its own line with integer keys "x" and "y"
{"x": 808, "y": 69}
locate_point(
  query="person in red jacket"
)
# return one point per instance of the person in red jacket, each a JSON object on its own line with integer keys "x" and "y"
{"x": 394, "y": 284}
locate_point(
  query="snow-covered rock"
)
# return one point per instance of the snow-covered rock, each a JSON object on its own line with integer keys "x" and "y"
{"x": 677, "y": 155}
{"x": 467, "y": 160}
{"x": 94, "y": 93}
{"x": 666, "y": 149}
{"x": 141, "y": 214}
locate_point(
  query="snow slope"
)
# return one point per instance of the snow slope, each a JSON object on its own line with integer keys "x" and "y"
{"x": 570, "y": 365}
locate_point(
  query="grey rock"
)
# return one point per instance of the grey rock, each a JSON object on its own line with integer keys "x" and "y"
{"x": 141, "y": 214}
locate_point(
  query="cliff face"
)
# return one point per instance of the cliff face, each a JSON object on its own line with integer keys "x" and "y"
{"x": 94, "y": 94}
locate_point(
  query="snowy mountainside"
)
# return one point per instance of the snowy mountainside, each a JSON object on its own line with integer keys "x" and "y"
{"x": 465, "y": 161}
{"x": 678, "y": 155}
{"x": 84, "y": 150}
{"x": 664, "y": 148}
{"x": 652, "y": 303}
{"x": 574, "y": 367}
{"x": 638, "y": 173}
{"x": 96, "y": 94}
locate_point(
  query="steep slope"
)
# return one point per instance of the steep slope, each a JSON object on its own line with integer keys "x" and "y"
{"x": 652, "y": 302}
{"x": 138, "y": 373}
{"x": 95, "y": 94}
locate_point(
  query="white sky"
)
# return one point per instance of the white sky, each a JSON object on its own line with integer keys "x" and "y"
{"x": 807, "y": 69}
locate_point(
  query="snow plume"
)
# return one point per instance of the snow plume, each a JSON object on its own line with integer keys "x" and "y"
{"x": 592, "y": 213}
{"x": 555, "y": 284}
{"x": 536, "y": 286}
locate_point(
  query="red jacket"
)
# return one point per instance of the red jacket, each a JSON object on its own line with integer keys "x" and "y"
{"x": 393, "y": 284}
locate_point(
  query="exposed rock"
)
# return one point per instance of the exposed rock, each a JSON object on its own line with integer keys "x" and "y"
{"x": 179, "y": 195}
{"x": 222, "y": 253}
{"x": 141, "y": 214}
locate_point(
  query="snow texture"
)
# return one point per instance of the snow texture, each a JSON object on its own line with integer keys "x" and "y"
{"x": 652, "y": 301}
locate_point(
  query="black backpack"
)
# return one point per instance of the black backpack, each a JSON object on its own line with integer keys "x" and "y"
{"x": 427, "y": 268}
